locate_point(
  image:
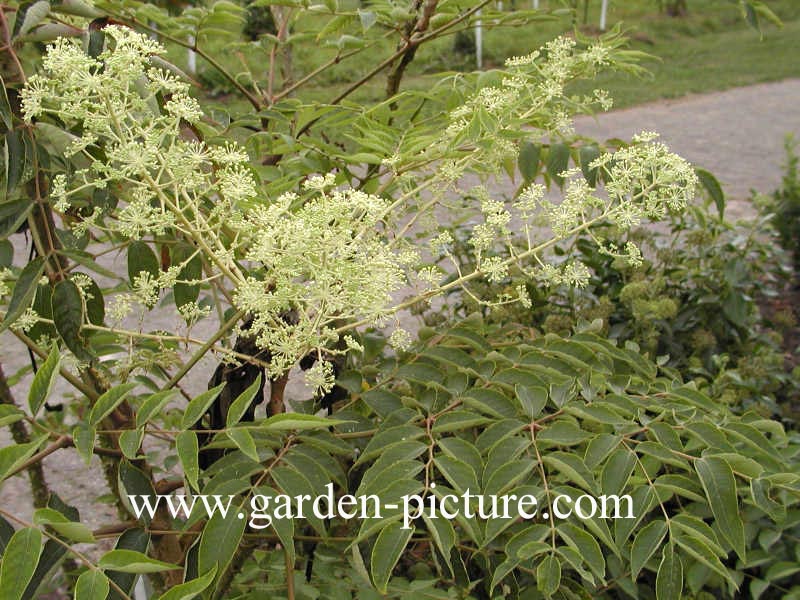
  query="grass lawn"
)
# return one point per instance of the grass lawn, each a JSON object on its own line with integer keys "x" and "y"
{"x": 709, "y": 62}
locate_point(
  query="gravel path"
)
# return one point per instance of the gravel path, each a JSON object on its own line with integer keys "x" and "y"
{"x": 737, "y": 134}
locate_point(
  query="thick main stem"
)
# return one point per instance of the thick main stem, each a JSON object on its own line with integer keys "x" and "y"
{"x": 19, "y": 432}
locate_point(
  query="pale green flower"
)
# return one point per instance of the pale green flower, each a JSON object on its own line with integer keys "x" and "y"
{"x": 400, "y": 339}
{"x": 306, "y": 267}
{"x": 523, "y": 296}
{"x": 320, "y": 377}
{"x": 26, "y": 321}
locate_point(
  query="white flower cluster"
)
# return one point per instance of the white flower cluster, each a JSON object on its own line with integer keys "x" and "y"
{"x": 495, "y": 225}
{"x": 323, "y": 263}
{"x": 320, "y": 376}
{"x": 5, "y": 276}
{"x": 573, "y": 274}
{"x": 531, "y": 93}
{"x": 646, "y": 181}
{"x": 307, "y": 268}
{"x": 26, "y": 321}
{"x": 643, "y": 181}
{"x": 400, "y": 339}
{"x": 316, "y": 266}
{"x": 113, "y": 101}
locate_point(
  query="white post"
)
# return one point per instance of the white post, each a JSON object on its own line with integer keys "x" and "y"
{"x": 536, "y": 4}
{"x": 500, "y": 6}
{"x": 603, "y": 12}
{"x": 479, "y": 42}
{"x": 191, "y": 58}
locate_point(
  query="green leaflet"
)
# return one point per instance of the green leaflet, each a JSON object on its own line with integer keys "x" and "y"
{"x": 23, "y": 292}
{"x": 153, "y": 405}
{"x": 297, "y": 422}
{"x": 720, "y": 486}
{"x": 714, "y": 189}
{"x": 548, "y": 575}
{"x": 284, "y": 528}
{"x": 30, "y": 16}
{"x": 92, "y": 585}
{"x": 388, "y": 548}
{"x": 83, "y": 437}
{"x": 244, "y": 441}
{"x": 49, "y": 560}
{"x": 187, "y": 446}
{"x": 77, "y": 532}
{"x": 646, "y": 542}
{"x": 587, "y": 154}
{"x": 190, "y": 589}
{"x": 528, "y": 160}
{"x": 43, "y": 381}
{"x": 131, "y": 539}
{"x": 20, "y": 558}
{"x": 557, "y": 162}
{"x": 5, "y": 106}
{"x": 12, "y": 457}
{"x": 10, "y": 414}
{"x": 107, "y": 402}
{"x": 141, "y": 258}
{"x": 242, "y": 403}
{"x": 183, "y": 292}
{"x": 458, "y": 473}
{"x": 198, "y": 406}
{"x": 220, "y": 539}
{"x": 68, "y": 316}
{"x": 15, "y": 159}
{"x": 532, "y": 400}
{"x": 586, "y": 546}
{"x": 13, "y": 214}
{"x": 617, "y": 471}
{"x": 387, "y": 437}
{"x": 443, "y": 534}
{"x": 132, "y": 561}
{"x": 669, "y": 581}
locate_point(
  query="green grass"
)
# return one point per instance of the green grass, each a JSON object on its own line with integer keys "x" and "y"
{"x": 707, "y": 63}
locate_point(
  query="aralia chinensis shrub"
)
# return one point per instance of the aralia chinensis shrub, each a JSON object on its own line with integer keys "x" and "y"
{"x": 284, "y": 232}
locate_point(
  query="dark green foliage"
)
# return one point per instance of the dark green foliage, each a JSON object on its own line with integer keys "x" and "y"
{"x": 461, "y": 411}
{"x": 786, "y": 206}
{"x": 464, "y": 43}
{"x": 697, "y": 301}
{"x": 258, "y": 21}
